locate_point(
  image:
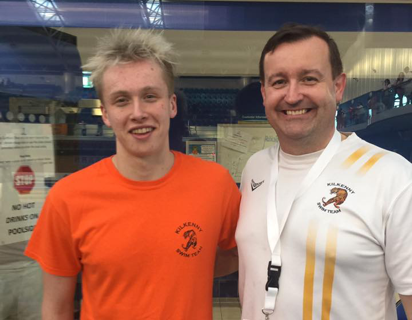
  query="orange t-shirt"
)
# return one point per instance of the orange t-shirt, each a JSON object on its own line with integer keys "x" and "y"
{"x": 146, "y": 249}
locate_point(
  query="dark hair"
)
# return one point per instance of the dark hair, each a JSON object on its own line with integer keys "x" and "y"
{"x": 293, "y": 32}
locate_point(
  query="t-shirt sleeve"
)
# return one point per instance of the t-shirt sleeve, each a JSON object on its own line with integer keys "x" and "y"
{"x": 398, "y": 249}
{"x": 51, "y": 243}
{"x": 232, "y": 202}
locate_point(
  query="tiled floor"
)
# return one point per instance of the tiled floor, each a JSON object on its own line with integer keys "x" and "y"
{"x": 226, "y": 309}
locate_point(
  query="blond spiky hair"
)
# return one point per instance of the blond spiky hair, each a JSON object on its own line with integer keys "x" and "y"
{"x": 131, "y": 45}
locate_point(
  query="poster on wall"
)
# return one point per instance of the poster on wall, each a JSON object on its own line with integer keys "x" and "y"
{"x": 202, "y": 149}
{"x": 237, "y": 142}
{"x": 26, "y": 160}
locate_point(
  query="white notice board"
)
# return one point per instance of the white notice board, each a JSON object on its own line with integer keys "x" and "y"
{"x": 237, "y": 142}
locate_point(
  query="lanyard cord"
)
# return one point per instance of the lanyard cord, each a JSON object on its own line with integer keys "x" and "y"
{"x": 274, "y": 230}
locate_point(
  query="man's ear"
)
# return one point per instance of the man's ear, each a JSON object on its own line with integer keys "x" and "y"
{"x": 104, "y": 116}
{"x": 173, "y": 106}
{"x": 340, "y": 84}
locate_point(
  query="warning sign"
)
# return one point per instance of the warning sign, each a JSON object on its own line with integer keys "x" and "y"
{"x": 26, "y": 160}
{"x": 24, "y": 180}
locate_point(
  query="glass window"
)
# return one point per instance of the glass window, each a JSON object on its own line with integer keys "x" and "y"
{"x": 50, "y": 116}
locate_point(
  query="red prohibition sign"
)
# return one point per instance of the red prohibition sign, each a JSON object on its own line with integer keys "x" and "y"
{"x": 24, "y": 180}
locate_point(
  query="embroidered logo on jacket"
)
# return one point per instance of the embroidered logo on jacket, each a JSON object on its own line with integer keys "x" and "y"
{"x": 189, "y": 232}
{"x": 340, "y": 192}
{"x": 255, "y": 185}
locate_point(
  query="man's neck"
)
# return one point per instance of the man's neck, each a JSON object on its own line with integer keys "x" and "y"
{"x": 306, "y": 146}
{"x": 144, "y": 169}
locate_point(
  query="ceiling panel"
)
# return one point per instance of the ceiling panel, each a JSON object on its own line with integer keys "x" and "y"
{"x": 209, "y": 15}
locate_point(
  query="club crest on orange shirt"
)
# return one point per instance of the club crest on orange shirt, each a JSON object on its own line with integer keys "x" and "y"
{"x": 189, "y": 238}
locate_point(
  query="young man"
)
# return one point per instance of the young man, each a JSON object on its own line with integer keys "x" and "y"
{"x": 342, "y": 206}
{"x": 142, "y": 226}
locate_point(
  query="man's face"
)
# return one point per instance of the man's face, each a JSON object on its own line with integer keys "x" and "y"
{"x": 300, "y": 96}
{"x": 137, "y": 106}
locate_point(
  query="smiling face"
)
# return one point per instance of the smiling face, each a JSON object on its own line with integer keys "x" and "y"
{"x": 300, "y": 96}
{"x": 138, "y": 107}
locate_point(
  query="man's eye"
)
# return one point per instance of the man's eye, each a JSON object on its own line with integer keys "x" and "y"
{"x": 279, "y": 83}
{"x": 310, "y": 80}
{"x": 121, "y": 101}
{"x": 150, "y": 97}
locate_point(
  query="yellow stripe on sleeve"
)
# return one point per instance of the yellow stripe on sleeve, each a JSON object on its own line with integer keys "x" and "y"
{"x": 355, "y": 156}
{"x": 370, "y": 163}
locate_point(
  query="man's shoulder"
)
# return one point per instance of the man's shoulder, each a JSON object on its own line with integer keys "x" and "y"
{"x": 84, "y": 178}
{"x": 194, "y": 169}
{"x": 390, "y": 161}
{"x": 393, "y": 162}
{"x": 194, "y": 163}
{"x": 261, "y": 159}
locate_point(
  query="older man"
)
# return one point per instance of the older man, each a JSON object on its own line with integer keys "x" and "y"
{"x": 325, "y": 220}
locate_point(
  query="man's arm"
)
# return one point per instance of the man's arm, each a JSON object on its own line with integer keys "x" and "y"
{"x": 407, "y": 305}
{"x": 58, "y": 297}
{"x": 226, "y": 262}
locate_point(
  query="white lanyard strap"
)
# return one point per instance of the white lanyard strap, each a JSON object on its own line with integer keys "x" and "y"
{"x": 274, "y": 230}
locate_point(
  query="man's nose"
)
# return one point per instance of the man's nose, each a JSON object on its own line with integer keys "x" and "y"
{"x": 138, "y": 111}
{"x": 293, "y": 93}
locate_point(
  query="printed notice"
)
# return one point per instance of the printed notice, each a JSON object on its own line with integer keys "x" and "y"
{"x": 238, "y": 142}
{"x": 202, "y": 149}
{"x": 26, "y": 159}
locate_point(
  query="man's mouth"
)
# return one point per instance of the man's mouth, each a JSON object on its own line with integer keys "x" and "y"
{"x": 142, "y": 130}
{"x": 295, "y": 112}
